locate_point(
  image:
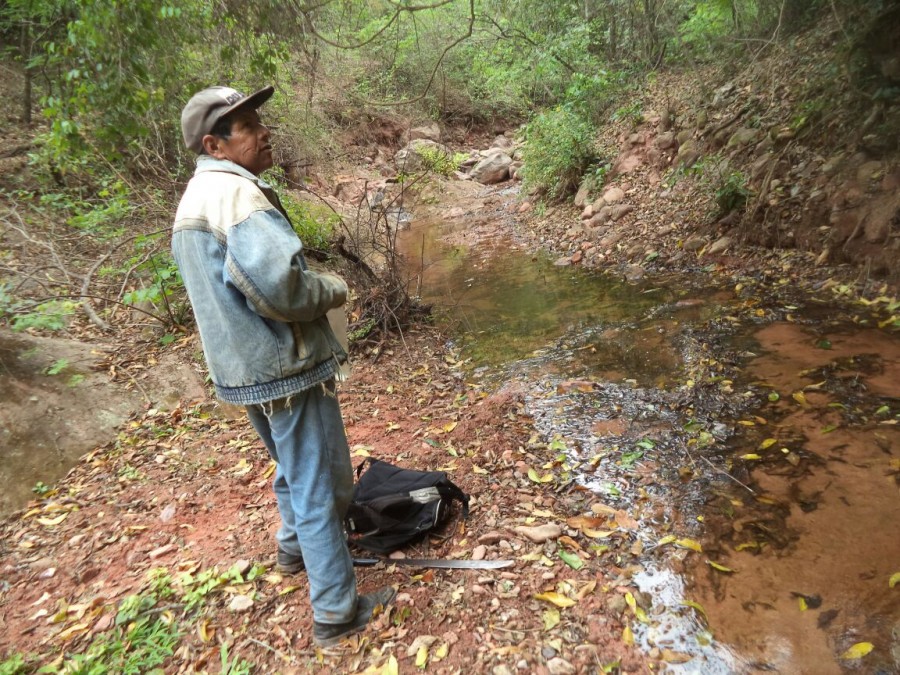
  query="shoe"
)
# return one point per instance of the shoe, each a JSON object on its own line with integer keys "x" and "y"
{"x": 330, "y": 634}
{"x": 289, "y": 563}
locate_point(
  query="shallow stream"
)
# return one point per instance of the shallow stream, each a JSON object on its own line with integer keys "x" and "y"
{"x": 764, "y": 429}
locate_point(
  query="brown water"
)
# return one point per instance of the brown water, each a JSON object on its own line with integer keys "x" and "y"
{"x": 675, "y": 384}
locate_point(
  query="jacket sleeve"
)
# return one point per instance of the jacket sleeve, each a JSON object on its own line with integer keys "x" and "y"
{"x": 264, "y": 261}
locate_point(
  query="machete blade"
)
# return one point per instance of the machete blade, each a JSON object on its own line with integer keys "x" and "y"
{"x": 440, "y": 563}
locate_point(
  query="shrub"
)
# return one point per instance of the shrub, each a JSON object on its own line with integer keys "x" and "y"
{"x": 314, "y": 224}
{"x": 559, "y": 147}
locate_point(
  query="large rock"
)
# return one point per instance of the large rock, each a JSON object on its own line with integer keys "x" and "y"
{"x": 428, "y": 132}
{"x": 492, "y": 169}
{"x": 613, "y": 195}
{"x": 688, "y": 153}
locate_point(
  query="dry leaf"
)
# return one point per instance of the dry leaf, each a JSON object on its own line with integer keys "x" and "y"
{"x": 555, "y": 598}
{"x": 857, "y": 651}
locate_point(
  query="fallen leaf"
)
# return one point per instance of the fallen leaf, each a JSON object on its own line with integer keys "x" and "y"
{"x": 751, "y": 456}
{"x": 894, "y": 580}
{"x": 627, "y": 636}
{"x": 50, "y": 522}
{"x": 697, "y": 606}
{"x": 768, "y": 443}
{"x": 571, "y": 559}
{"x": 551, "y": 618}
{"x": 857, "y": 651}
{"x": 639, "y": 612}
{"x": 800, "y": 398}
{"x": 721, "y": 568}
{"x": 555, "y": 598}
{"x": 689, "y": 543}
{"x": 534, "y": 476}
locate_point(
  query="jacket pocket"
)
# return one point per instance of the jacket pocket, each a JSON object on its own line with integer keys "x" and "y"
{"x": 303, "y": 348}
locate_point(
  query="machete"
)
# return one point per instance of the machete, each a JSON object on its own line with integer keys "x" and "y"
{"x": 435, "y": 562}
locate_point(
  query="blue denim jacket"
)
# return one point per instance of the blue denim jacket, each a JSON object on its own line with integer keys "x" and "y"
{"x": 260, "y": 309}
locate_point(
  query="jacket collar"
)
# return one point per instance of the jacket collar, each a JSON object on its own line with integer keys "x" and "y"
{"x": 206, "y": 163}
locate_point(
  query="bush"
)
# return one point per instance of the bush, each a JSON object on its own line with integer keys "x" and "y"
{"x": 559, "y": 147}
{"x": 314, "y": 224}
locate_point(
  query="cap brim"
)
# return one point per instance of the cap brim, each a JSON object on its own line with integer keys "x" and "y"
{"x": 252, "y": 102}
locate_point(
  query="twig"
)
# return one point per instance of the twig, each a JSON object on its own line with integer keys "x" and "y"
{"x": 260, "y": 643}
{"x": 728, "y": 475}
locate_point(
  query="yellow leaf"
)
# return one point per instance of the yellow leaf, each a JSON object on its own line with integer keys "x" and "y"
{"x": 551, "y": 618}
{"x": 392, "y": 427}
{"x": 894, "y": 580}
{"x": 747, "y": 544}
{"x": 747, "y": 423}
{"x": 800, "y": 397}
{"x": 768, "y": 443}
{"x": 441, "y": 652}
{"x": 802, "y": 602}
{"x": 639, "y": 612}
{"x": 288, "y": 589}
{"x": 555, "y": 598}
{"x": 689, "y": 543}
{"x": 390, "y": 667}
{"x": 449, "y": 427}
{"x": 269, "y": 470}
{"x": 857, "y": 651}
{"x": 242, "y": 467}
{"x": 717, "y": 566}
{"x": 597, "y": 534}
{"x": 533, "y": 475}
{"x": 478, "y": 469}
{"x": 422, "y": 657}
{"x": 49, "y": 522}
{"x": 668, "y": 539}
{"x": 205, "y": 631}
{"x": 751, "y": 455}
{"x": 627, "y": 636}
{"x": 362, "y": 451}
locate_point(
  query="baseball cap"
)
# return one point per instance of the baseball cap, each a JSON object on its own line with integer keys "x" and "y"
{"x": 212, "y": 104}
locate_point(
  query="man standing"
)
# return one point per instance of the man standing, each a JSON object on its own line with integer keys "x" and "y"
{"x": 268, "y": 345}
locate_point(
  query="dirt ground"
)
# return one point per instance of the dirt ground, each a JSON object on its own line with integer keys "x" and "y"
{"x": 188, "y": 489}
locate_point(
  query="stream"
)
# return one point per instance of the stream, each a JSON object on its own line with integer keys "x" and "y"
{"x": 760, "y": 429}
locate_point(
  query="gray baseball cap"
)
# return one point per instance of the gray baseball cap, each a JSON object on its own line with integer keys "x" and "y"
{"x": 210, "y": 105}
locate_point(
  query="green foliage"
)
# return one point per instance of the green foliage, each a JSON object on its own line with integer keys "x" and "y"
{"x": 732, "y": 192}
{"x": 51, "y": 316}
{"x": 559, "y": 147}
{"x": 139, "y": 642}
{"x": 314, "y": 224}
{"x": 13, "y": 664}
{"x": 235, "y": 666}
{"x": 57, "y": 367}
{"x": 440, "y": 162}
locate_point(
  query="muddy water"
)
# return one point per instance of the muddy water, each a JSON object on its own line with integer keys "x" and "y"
{"x": 770, "y": 437}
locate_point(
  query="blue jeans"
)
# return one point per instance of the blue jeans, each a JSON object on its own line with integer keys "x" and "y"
{"x": 305, "y": 436}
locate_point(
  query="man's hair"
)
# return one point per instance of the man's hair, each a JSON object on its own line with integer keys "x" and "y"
{"x": 222, "y": 129}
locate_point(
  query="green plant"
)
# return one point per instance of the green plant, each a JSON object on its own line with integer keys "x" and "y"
{"x": 314, "y": 224}
{"x": 632, "y": 113}
{"x": 51, "y": 315}
{"x": 559, "y": 146}
{"x": 40, "y": 488}
{"x": 233, "y": 667}
{"x": 13, "y": 664}
{"x": 732, "y": 192}
{"x": 439, "y": 161}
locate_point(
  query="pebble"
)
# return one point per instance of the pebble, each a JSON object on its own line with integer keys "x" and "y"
{"x": 479, "y": 552}
{"x": 540, "y": 533}
{"x": 559, "y": 666}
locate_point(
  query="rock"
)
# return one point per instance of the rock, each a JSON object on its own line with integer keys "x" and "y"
{"x": 428, "y": 132}
{"x": 688, "y": 153}
{"x": 877, "y": 229}
{"x": 563, "y": 262}
{"x": 620, "y": 210}
{"x": 540, "y": 533}
{"x": 479, "y": 552}
{"x": 503, "y": 142}
{"x": 576, "y": 257}
{"x": 240, "y": 603}
{"x": 490, "y": 538}
{"x": 587, "y": 212}
{"x": 634, "y": 273}
{"x": 665, "y": 141}
{"x": 683, "y": 137}
{"x": 559, "y": 666}
{"x": 420, "y": 641}
{"x": 868, "y": 172}
{"x": 243, "y": 566}
{"x": 598, "y": 204}
{"x": 492, "y": 169}
{"x": 613, "y": 195}
{"x": 702, "y": 119}
{"x": 502, "y": 669}
{"x": 581, "y": 196}
{"x": 694, "y": 243}
{"x": 719, "y": 246}
{"x": 741, "y": 137}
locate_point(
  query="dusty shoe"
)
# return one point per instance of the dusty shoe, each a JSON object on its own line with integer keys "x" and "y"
{"x": 329, "y": 634}
{"x": 289, "y": 563}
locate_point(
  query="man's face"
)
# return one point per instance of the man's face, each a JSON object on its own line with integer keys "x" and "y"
{"x": 248, "y": 145}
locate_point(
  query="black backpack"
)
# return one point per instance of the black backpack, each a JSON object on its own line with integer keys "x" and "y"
{"x": 393, "y": 506}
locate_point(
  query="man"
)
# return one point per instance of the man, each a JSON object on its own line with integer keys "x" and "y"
{"x": 268, "y": 345}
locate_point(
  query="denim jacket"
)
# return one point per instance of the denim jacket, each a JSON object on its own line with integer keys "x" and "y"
{"x": 260, "y": 309}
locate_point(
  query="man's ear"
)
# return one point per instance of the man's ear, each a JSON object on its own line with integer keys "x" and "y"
{"x": 212, "y": 146}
